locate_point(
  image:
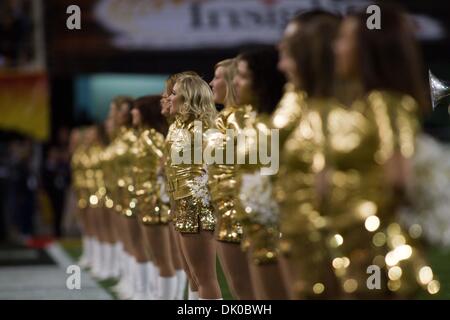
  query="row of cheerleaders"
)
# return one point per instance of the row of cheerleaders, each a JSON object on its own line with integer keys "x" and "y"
{"x": 325, "y": 226}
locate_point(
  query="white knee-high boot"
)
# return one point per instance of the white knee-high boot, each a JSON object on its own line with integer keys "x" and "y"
{"x": 153, "y": 277}
{"x": 167, "y": 288}
{"x": 85, "y": 259}
{"x": 181, "y": 284}
{"x": 128, "y": 285}
{"x": 115, "y": 260}
{"x": 192, "y": 295}
{"x": 96, "y": 258}
{"x": 122, "y": 266}
{"x": 141, "y": 282}
{"x": 106, "y": 261}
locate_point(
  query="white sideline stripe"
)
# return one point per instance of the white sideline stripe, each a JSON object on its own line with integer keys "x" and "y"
{"x": 59, "y": 255}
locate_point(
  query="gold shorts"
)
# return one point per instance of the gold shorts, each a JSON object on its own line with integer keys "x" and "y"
{"x": 191, "y": 215}
{"x": 228, "y": 228}
{"x": 153, "y": 214}
{"x": 262, "y": 241}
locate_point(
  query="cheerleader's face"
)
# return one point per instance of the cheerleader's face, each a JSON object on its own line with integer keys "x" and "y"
{"x": 165, "y": 104}
{"x": 287, "y": 65}
{"x": 113, "y": 110}
{"x": 123, "y": 114}
{"x": 346, "y": 47}
{"x": 91, "y": 135}
{"x": 175, "y": 100}
{"x": 243, "y": 83}
{"x": 136, "y": 117}
{"x": 109, "y": 127}
{"x": 219, "y": 86}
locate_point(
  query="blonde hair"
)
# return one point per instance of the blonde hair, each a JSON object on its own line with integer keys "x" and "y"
{"x": 198, "y": 99}
{"x": 170, "y": 82}
{"x": 230, "y": 69}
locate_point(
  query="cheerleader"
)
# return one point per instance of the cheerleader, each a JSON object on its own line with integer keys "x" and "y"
{"x": 223, "y": 187}
{"x": 81, "y": 195}
{"x": 191, "y": 105}
{"x": 152, "y": 212}
{"x": 93, "y": 209}
{"x": 370, "y": 147}
{"x": 306, "y": 55}
{"x": 259, "y": 87}
{"x": 139, "y": 270}
{"x": 177, "y": 257}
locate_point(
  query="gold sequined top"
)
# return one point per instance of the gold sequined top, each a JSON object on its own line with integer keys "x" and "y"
{"x": 148, "y": 152}
{"x": 349, "y": 221}
{"x": 78, "y": 162}
{"x": 222, "y": 179}
{"x": 123, "y": 163}
{"x": 109, "y": 175}
{"x": 288, "y": 112}
{"x": 95, "y": 176}
{"x": 183, "y": 167}
{"x": 259, "y": 214}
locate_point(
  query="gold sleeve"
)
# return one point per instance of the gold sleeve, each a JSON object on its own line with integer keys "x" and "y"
{"x": 397, "y": 124}
{"x": 181, "y": 147}
{"x": 288, "y": 112}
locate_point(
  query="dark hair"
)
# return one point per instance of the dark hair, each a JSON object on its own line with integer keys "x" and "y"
{"x": 389, "y": 58}
{"x": 102, "y": 135}
{"x": 120, "y": 100}
{"x": 307, "y": 16}
{"x": 267, "y": 81}
{"x": 311, "y": 48}
{"x": 149, "y": 108}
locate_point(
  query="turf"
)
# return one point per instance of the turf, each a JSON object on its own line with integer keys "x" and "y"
{"x": 439, "y": 259}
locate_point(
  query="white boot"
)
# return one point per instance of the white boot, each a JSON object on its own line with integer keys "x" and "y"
{"x": 153, "y": 280}
{"x": 141, "y": 282}
{"x": 181, "y": 284}
{"x": 106, "y": 262}
{"x": 122, "y": 262}
{"x": 130, "y": 272}
{"x": 84, "y": 262}
{"x": 96, "y": 258}
{"x": 115, "y": 260}
{"x": 192, "y": 295}
{"x": 167, "y": 288}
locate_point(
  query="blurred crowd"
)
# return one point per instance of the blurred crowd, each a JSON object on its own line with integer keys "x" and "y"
{"x": 34, "y": 181}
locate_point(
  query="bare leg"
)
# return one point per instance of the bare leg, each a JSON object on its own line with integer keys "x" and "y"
{"x": 199, "y": 249}
{"x": 235, "y": 266}
{"x": 106, "y": 226}
{"x": 288, "y": 275}
{"x": 193, "y": 285}
{"x": 175, "y": 249}
{"x": 92, "y": 223}
{"x": 267, "y": 280}
{"x": 83, "y": 221}
{"x": 136, "y": 238}
{"x": 158, "y": 239}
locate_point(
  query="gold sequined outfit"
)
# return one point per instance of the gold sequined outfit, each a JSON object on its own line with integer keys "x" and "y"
{"x": 187, "y": 182}
{"x": 79, "y": 163}
{"x": 109, "y": 175}
{"x": 223, "y": 177}
{"x": 94, "y": 182}
{"x": 288, "y": 112}
{"x": 148, "y": 152}
{"x": 259, "y": 214}
{"x": 123, "y": 163}
{"x": 348, "y": 224}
